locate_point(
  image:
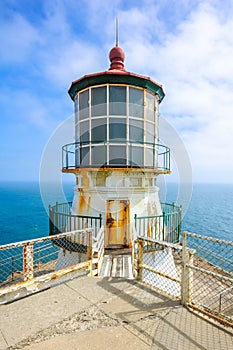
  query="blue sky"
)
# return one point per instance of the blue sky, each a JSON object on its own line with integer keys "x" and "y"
{"x": 185, "y": 45}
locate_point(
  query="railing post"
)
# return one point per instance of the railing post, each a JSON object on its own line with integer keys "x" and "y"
{"x": 135, "y": 218}
{"x": 67, "y": 158}
{"x": 179, "y": 221}
{"x": 164, "y": 225}
{"x": 187, "y": 272}
{"x": 28, "y": 261}
{"x": 89, "y": 251}
{"x": 51, "y": 221}
{"x": 140, "y": 259}
{"x": 100, "y": 220}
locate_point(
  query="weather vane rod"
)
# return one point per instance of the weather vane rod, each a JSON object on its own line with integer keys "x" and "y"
{"x": 116, "y": 31}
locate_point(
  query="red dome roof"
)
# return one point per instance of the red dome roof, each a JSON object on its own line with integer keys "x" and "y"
{"x": 117, "y": 58}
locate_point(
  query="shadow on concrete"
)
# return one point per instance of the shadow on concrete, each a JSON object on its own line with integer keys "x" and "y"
{"x": 160, "y": 321}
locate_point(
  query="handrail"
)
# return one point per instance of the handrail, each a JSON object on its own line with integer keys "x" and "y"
{"x": 56, "y": 209}
{"x": 161, "y": 153}
{"x": 62, "y": 220}
{"x": 175, "y": 209}
{"x": 166, "y": 226}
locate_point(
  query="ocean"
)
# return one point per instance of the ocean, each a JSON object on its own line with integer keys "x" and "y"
{"x": 208, "y": 212}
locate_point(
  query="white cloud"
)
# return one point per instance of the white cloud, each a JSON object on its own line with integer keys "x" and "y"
{"x": 17, "y": 38}
{"x": 70, "y": 62}
{"x": 196, "y": 68}
{"x": 23, "y": 110}
{"x": 185, "y": 45}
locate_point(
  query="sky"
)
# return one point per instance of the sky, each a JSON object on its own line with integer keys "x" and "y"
{"x": 185, "y": 45}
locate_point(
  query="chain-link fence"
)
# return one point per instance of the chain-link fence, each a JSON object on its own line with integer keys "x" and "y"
{"x": 200, "y": 272}
{"x": 159, "y": 265}
{"x": 208, "y": 275}
{"x": 26, "y": 260}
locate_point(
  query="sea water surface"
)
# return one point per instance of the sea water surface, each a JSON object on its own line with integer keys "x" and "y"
{"x": 23, "y": 216}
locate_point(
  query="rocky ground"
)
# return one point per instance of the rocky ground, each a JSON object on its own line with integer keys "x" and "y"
{"x": 90, "y": 319}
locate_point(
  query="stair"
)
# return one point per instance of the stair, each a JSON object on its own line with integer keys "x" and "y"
{"x": 117, "y": 266}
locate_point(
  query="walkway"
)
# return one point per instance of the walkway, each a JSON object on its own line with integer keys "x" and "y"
{"x": 117, "y": 264}
{"x": 106, "y": 313}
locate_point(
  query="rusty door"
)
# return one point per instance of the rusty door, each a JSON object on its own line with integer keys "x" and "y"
{"x": 117, "y": 220}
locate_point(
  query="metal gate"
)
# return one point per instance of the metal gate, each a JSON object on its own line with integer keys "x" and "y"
{"x": 158, "y": 264}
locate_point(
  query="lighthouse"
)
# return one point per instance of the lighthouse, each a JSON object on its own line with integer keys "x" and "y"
{"x": 116, "y": 159}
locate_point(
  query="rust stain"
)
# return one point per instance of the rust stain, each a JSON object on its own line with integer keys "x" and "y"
{"x": 124, "y": 170}
{"x": 85, "y": 179}
{"x": 84, "y": 202}
{"x": 149, "y": 231}
{"x": 89, "y": 204}
{"x": 19, "y": 289}
{"x": 81, "y": 201}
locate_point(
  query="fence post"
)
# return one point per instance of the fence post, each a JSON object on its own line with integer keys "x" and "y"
{"x": 187, "y": 273}
{"x": 51, "y": 221}
{"x": 89, "y": 252}
{"x": 140, "y": 259}
{"x": 28, "y": 261}
{"x": 179, "y": 222}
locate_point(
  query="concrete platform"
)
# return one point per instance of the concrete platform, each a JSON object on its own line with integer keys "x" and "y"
{"x": 106, "y": 313}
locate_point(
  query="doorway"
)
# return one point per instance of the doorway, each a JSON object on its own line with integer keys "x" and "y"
{"x": 117, "y": 224}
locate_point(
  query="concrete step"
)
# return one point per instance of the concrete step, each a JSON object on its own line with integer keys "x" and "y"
{"x": 117, "y": 266}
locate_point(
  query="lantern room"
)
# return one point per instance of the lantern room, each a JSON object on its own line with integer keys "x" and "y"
{"x": 116, "y": 156}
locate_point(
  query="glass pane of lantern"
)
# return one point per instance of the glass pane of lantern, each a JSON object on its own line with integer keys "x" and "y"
{"x": 76, "y": 110}
{"x": 150, "y": 107}
{"x": 136, "y": 156}
{"x": 117, "y": 100}
{"x": 84, "y": 155}
{"x": 136, "y": 131}
{"x": 84, "y": 131}
{"x": 149, "y": 157}
{"x": 117, "y": 128}
{"x": 136, "y": 105}
{"x": 98, "y": 155}
{"x": 98, "y": 130}
{"x": 99, "y": 101}
{"x": 84, "y": 105}
{"x": 117, "y": 155}
{"x": 150, "y": 132}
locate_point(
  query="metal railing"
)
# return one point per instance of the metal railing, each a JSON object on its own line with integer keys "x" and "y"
{"x": 98, "y": 251}
{"x": 159, "y": 265}
{"x": 179, "y": 272}
{"x": 158, "y": 155}
{"x": 165, "y": 227}
{"x": 208, "y": 275}
{"x": 43, "y": 259}
{"x": 61, "y": 220}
